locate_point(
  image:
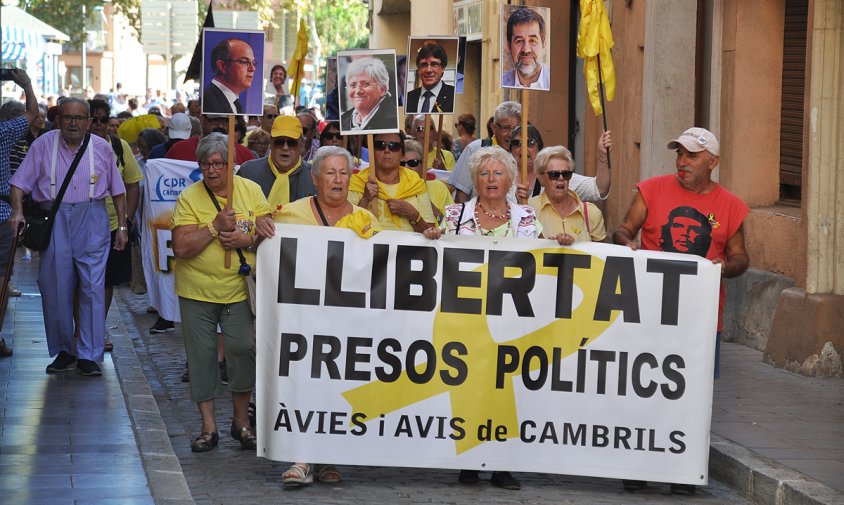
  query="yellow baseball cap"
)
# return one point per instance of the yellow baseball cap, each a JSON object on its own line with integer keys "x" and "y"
{"x": 286, "y": 126}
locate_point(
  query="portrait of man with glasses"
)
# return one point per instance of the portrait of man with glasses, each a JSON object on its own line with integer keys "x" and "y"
{"x": 233, "y": 64}
{"x": 433, "y": 95}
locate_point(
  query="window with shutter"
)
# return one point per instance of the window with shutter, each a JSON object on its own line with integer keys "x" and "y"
{"x": 793, "y": 88}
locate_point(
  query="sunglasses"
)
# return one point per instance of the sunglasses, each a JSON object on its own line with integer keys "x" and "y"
{"x": 555, "y": 174}
{"x": 290, "y": 143}
{"x": 332, "y": 136}
{"x": 518, "y": 142}
{"x": 410, "y": 163}
{"x": 270, "y": 116}
{"x": 380, "y": 145}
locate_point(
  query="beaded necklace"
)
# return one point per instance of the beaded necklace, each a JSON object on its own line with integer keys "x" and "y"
{"x": 506, "y": 217}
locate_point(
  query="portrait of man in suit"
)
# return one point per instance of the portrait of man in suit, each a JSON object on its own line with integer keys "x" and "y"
{"x": 525, "y": 49}
{"x": 233, "y": 67}
{"x": 434, "y": 96}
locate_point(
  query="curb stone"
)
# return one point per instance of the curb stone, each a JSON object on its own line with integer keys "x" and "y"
{"x": 763, "y": 480}
{"x": 165, "y": 478}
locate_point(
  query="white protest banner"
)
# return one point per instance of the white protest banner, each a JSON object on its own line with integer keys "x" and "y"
{"x": 483, "y": 353}
{"x": 165, "y": 179}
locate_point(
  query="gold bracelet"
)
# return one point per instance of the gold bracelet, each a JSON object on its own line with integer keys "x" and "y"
{"x": 214, "y": 232}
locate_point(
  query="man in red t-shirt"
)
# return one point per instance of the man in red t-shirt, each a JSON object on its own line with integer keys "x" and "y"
{"x": 688, "y": 212}
{"x": 185, "y": 150}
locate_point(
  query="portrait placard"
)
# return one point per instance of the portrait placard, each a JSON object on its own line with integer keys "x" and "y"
{"x": 431, "y": 75}
{"x": 525, "y": 47}
{"x": 232, "y": 72}
{"x": 366, "y": 85}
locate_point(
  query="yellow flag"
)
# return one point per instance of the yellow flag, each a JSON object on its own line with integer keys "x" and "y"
{"x": 595, "y": 38}
{"x": 296, "y": 69}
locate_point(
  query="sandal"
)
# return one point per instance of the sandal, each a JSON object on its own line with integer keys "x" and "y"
{"x": 328, "y": 474}
{"x": 206, "y": 441}
{"x": 251, "y": 413}
{"x": 298, "y": 475}
{"x": 245, "y": 436}
{"x": 5, "y": 350}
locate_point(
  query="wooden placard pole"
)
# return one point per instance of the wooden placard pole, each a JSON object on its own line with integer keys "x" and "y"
{"x": 439, "y": 140}
{"x": 373, "y": 166}
{"x": 524, "y": 138}
{"x": 227, "y": 262}
{"x": 427, "y": 140}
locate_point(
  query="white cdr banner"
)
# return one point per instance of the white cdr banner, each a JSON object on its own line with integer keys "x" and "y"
{"x": 483, "y": 353}
{"x": 164, "y": 181}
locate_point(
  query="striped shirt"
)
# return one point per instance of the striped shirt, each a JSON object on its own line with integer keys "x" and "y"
{"x": 33, "y": 176}
{"x": 10, "y": 132}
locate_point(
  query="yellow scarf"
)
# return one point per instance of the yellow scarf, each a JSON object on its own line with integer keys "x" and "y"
{"x": 280, "y": 192}
{"x": 410, "y": 184}
{"x": 360, "y": 222}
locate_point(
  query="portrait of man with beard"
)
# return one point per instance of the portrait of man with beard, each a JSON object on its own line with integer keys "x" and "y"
{"x": 525, "y": 48}
{"x": 687, "y": 231}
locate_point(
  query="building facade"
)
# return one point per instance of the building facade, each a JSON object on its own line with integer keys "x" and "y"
{"x": 764, "y": 75}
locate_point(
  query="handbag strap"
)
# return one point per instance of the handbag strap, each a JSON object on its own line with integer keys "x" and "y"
{"x": 321, "y": 214}
{"x": 586, "y": 218}
{"x": 244, "y": 266}
{"x": 69, "y": 175}
{"x": 460, "y": 219}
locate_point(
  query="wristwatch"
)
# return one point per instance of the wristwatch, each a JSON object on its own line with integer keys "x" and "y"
{"x": 214, "y": 232}
{"x": 416, "y": 221}
{"x": 122, "y": 228}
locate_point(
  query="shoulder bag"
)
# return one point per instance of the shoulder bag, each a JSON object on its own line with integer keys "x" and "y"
{"x": 39, "y": 221}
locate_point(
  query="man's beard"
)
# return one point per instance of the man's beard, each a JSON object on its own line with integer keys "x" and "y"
{"x": 528, "y": 69}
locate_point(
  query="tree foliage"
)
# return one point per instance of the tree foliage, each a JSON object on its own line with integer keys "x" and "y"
{"x": 66, "y": 15}
{"x": 339, "y": 24}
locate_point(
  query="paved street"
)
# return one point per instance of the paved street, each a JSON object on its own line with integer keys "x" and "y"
{"x": 124, "y": 438}
{"x": 228, "y": 475}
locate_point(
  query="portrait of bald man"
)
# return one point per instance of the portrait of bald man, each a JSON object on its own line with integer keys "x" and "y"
{"x": 234, "y": 64}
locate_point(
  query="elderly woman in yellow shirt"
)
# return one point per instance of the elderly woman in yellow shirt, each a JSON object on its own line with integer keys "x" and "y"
{"x": 399, "y": 195}
{"x": 562, "y": 213}
{"x": 211, "y": 294}
{"x": 331, "y": 170}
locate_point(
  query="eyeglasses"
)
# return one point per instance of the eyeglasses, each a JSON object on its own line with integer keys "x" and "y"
{"x": 556, "y": 174}
{"x": 101, "y": 120}
{"x": 504, "y": 128}
{"x": 518, "y": 142}
{"x": 244, "y": 61}
{"x": 70, "y": 119}
{"x": 270, "y": 116}
{"x": 260, "y": 143}
{"x": 410, "y": 163}
{"x": 380, "y": 145}
{"x": 331, "y": 136}
{"x": 364, "y": 85}
{"x": 433, "y": 64}
{"x": 290, "y": 143}
{"x": 216, "y": 165}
